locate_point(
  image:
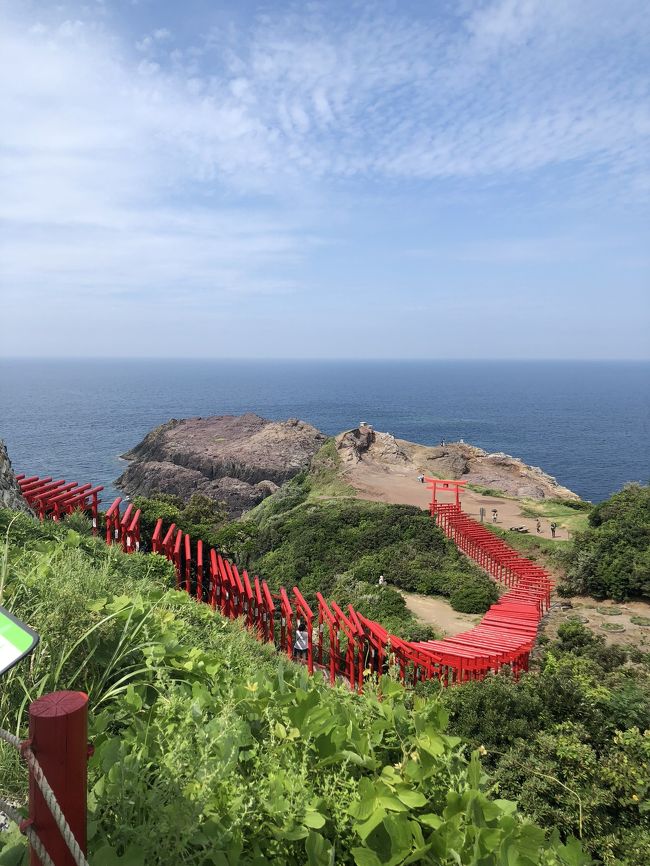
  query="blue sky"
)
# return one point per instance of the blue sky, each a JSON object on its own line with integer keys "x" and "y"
{"x": 384, "y": 179}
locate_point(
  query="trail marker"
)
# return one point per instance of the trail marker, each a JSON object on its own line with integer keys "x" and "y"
{"x": 17, "y": 640}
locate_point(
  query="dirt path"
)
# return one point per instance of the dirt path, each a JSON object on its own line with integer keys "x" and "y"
{"x": 394, "y": 485}
{"x": 438, "y": 612}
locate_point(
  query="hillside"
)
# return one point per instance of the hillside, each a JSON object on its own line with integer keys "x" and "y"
{"x": 211, "y": 749}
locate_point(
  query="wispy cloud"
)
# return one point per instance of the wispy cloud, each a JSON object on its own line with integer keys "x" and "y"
{"x": 142, "y": 164}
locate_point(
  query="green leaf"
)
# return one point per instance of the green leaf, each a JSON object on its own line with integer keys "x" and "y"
{"x": 365, "y": 857}
{"x": 391, "y": 803}
{"x": 412, "y": 799}
{"x": 364, "y": 830}
{"x": 314, "y": 820}
{"x": 17, "y": 855}
{"x": 319, "y": 851}
{"x": 430, "y": 820}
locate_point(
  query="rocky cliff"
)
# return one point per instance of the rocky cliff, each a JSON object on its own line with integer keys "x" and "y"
{"x": 365, "y": 448}
{"x": 10, "y": 496}
{"x": 235, "y": 459}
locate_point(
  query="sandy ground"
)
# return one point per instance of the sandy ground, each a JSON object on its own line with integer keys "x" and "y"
{"x": 397, "y": 486}
{"x": 438, "y": 612}
{"x": 592, "y": 613}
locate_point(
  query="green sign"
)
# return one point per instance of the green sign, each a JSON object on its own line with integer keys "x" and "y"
{"x": 17, "y": 640}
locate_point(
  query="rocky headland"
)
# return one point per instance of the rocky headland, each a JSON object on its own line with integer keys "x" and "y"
{"x": 238, "y": 460}
{"x": 364, "y": 450}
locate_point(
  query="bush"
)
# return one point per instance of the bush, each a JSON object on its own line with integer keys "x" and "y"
{"x": 611, "y": 559}
{"x": 474, "y": 596}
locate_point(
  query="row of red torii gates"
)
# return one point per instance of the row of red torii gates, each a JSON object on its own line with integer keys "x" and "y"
{"x": 341, "y": 643}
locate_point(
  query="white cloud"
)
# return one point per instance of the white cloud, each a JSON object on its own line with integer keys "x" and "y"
{"x": 125, "y": 162}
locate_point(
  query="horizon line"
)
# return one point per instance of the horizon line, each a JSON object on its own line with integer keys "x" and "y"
{"x": 267, "y": 358}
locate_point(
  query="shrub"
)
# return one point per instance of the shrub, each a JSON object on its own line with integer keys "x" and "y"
{"x": 611, "y": 559}
{"x": 474, "y": 596}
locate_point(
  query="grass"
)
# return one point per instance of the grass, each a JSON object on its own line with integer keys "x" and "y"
{"x": 487, "y": 491}
{"x": 325, "y": 474}
{"x": 567, "y": 516}
{"x": 612, "y": 626}
{"x": 609, "y": 611}
{"x": 643, "y": 621}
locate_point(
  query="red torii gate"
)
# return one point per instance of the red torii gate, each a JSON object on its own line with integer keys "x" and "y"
{"x": 436, "y": 485}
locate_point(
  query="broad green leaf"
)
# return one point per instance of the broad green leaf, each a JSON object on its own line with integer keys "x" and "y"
{"x": 365, "y": 857}
{"x": 314, "y": 820}
{"x": 412, "y": 799}
{"x": 319, "y": 851}
{"x": 365, "y": 829}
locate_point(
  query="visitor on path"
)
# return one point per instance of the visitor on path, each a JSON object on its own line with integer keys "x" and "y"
{"x": 301, "y": 642}
{"x": 539, "y": 525}
{"x": 421, "y": 478}
{"x": 553, "y": 529}
{"x": 494, "y": 515}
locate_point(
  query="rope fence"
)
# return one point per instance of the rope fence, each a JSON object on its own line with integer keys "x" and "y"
{"x": 56, "y": 720}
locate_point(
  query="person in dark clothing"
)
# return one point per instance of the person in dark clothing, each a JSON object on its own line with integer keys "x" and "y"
{"x": 553, "y": 529}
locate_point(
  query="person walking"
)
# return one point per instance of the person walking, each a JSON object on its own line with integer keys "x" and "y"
{"x": 539, "y": 525}
{"x": 301, "y": 643}
{"x": 494, "y": 515}
{"x": 553, "y": 529}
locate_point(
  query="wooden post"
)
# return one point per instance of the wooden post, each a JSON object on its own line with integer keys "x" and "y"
{"x": 58, "y": 730}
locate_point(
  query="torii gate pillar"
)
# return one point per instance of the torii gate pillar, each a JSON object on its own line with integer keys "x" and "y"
{"x": 438, "y": 485}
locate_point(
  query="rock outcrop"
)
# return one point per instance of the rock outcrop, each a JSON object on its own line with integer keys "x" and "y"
{"x": 10, "y": 495}
{"x": 508, "y": 475}
{"x": 238, "y": 460}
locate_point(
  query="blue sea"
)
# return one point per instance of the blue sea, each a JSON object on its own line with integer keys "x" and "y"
{"x": 586, "y": 423}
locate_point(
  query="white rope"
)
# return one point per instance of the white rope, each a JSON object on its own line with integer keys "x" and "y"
{"x": 50, "y": 800}
{"x": 15, "y": 816}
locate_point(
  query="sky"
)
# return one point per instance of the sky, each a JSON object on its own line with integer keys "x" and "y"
{"x": 325, "y": 180}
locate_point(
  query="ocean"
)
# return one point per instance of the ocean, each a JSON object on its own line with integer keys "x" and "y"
{"x": 586, "y": 423}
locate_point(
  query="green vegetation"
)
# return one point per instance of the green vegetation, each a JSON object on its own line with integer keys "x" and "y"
{"x": 201, "y": 517}
{"x": 567, "y": 513}
{"x": 487, "y": 491}
{"x": 640, "y": 620}
{"x": 341, "y": 547}
{"x": 211, "y": 749}
{"x": 568, "y": 741}
{"x": 611, "y": 558}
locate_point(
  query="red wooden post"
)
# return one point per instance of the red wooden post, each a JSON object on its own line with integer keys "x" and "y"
{"x": 58, "y": 730}
{"x": 155, "y": 538}
{"x": 188, "y": 565}
{"x": 199, "y": 570}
